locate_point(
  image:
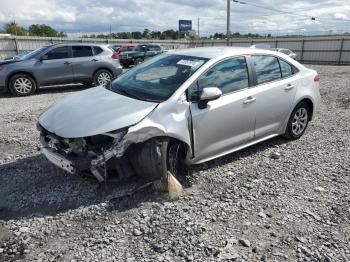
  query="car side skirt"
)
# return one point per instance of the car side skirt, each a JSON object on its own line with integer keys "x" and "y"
{"x": 195, "y": 161}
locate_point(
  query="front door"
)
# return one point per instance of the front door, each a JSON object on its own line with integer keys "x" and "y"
{"x": 55, "y": 67}
{"x": 228, "y": 121}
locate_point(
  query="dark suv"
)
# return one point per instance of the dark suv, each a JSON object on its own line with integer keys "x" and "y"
{"x": 139, "y": 54}
{"x": 59, "y": 64}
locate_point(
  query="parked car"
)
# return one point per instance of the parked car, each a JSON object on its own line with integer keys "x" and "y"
{"x": 59, "y": 64}
{"x": 185, "y": 106}
{"x": 285, "y": 51}
{"x": 118, "y": 49}
{"x": 139, "y": 54}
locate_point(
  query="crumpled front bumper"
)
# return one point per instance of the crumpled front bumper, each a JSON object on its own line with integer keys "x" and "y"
{"x": 55, "y": 158}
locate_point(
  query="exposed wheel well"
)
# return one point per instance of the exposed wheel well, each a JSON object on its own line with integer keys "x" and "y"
{"x": 169, "y": 138}
{"x": 310, "y": 104}
{"x": 20, "y": 72}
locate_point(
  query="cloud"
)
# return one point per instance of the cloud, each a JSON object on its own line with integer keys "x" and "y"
{"x": 135, "y": 15}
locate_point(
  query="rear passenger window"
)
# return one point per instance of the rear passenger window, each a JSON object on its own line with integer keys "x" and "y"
{"x": 286, "y": 69}
{"x": 58, "y": 53}
{"x": 267, "y": 68}
{"x": 97, "y": 50}
{"x": 82, "y": 51}
{"x": 230, "y": 75}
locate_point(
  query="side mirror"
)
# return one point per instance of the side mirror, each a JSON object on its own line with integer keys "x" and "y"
{"x": 208, "y": 94}
{"x": 44, "y": 57}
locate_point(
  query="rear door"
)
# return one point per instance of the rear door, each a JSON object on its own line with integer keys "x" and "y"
{"x": 84, "y": 63}
{"x": 55, "y": 66}
{"x": 276, "y": 84}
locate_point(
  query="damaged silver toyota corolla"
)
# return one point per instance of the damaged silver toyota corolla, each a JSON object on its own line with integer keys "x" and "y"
{"x": 186, "y": 106}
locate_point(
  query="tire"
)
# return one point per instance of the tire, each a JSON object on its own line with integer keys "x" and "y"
{"x": 152, "y": 159}
{"x": 125, "y": 65}
{"x": 138, "y": 61}
{"x": 22, "y": 85}
{"x": 298, "y": 121}
{"x": 102, "y": 77}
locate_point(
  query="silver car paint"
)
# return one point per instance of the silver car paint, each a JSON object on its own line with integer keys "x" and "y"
{"x": 79, "y": 115}
{"x": 62, "y": 71}
{"x": 216, "y": 131}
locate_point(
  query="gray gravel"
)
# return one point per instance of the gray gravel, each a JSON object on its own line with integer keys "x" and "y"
{"x": 276, "y": 201}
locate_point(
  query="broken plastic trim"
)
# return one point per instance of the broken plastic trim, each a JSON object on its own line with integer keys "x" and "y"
{"x": 98, "y": 165}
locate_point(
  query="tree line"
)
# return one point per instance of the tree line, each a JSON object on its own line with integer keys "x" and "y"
{"x": 167, "y": 34}
{"x": 34, "y": 30}
{"x": 46, "y": 30}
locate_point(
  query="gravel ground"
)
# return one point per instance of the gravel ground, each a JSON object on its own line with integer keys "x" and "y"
{"x": 276, "y": 201}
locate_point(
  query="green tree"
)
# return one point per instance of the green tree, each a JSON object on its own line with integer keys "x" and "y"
{"x": 155, "y": 34}
{"x": 146, "y": 34}
{"x": 136, "y": 35}
{"x": 14, "y": 29}
{"x": 44, "y": 30}
{"x": 170, "y": 34}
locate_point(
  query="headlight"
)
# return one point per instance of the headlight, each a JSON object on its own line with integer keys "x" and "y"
{"x": 117, "y": 134}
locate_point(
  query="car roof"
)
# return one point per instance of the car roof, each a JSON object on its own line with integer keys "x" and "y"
{"x": 212, "y": 52}
{"x": 78, "y": 44}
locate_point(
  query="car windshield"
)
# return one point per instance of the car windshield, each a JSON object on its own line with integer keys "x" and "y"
{"x": 34, "y": 53}
{"x": 158, "y": 78}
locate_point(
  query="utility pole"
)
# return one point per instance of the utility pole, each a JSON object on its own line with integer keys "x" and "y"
{"x": 228, "y": 22}
{"x": 198, "y": 30}
{"x": 110, "y": 30}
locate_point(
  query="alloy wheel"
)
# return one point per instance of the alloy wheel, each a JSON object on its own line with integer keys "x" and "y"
{"x": 299, "y": 122}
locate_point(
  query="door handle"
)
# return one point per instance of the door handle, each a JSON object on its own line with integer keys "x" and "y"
{"x": 67, "y": 63}
{"x": 289, "y": 87}
{"x": 249, "y": 100}
{"x": 94, "y": 60}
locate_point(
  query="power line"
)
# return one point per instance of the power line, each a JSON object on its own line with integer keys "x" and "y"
{"x": 288, "y": 12}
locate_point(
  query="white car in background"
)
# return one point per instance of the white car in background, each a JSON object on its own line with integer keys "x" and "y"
{"x": 286, "y": 51}
{"x": 185, "y": 106}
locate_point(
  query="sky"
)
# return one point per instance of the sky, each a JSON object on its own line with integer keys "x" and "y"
{"x": 98, "y": 16}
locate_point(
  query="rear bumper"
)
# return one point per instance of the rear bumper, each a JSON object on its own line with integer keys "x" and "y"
{"x": 118, "y": 71}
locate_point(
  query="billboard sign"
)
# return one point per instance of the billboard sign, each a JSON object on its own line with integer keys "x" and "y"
{"x": 184, "y": 26}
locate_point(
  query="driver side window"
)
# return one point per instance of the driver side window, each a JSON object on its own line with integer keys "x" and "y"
{"x": 58, "y": 53}
{"x": 229, "y": 75}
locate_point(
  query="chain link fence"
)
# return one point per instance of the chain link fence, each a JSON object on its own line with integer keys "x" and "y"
{"x": 316, "y": 50}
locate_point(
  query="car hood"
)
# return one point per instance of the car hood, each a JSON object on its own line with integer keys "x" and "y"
{"x": 10, "y": 61}
{"x": 92, "y": 112}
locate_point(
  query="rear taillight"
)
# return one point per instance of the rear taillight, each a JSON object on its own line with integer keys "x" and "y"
{"x": 317, "y": 78}
{"x": 115, "y": 55}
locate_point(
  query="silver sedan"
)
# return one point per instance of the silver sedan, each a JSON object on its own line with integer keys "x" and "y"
{"x": 180, "y": 108}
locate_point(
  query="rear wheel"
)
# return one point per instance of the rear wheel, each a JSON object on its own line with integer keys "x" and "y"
{"x": 298, "y": 121}
{"x": 153, "y": 158}
{"x": 138, "y": 61}
{"x": 22, "y": 85}
{"x": 102, "y": 77}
